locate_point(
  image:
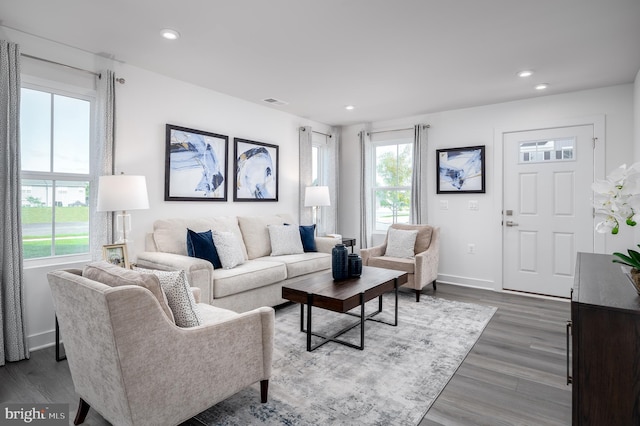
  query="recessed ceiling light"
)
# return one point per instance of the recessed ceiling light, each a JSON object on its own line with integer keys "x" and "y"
{"x": 170, "y": 34}
{"x": 542, "y": 86}
{"x": 525, "y": 73}
{"x": 349, "y": 107}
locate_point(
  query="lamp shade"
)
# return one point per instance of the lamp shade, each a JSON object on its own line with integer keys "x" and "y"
{"x": 316, "y": 196}
{"x": 122, "y": 192}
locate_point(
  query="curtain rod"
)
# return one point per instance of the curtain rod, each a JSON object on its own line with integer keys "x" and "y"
{"x": 119, "y": 80}
{"x": 320, "y": 133}
{"x": 425, "y": 126}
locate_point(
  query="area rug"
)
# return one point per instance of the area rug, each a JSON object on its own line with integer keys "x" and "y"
{"x": 393, "y": 381}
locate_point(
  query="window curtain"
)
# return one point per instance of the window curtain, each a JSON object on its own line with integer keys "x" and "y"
{"x": 102, "y": 229}
{"x": 13, "y": 343}
{"x": 365, "y": 189}
{"x": 329, "y": 217}
{"x": 305, "y": 172}
{"x": 418, "y": 214}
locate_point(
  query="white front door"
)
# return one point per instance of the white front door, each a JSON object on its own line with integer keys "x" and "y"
{"x": 547, "y": 216}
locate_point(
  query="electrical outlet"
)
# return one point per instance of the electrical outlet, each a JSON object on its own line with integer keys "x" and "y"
{"x": 444, "y": 205}
{"x": 471, "y": 248}
{"x": 473, "y": 204}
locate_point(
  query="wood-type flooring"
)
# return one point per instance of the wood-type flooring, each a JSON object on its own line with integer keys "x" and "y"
{"x": 514, "y": 375}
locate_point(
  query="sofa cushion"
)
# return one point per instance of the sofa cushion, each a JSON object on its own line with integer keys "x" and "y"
{"x": 181, "y": 300}
{"x": 284, "y": 239}
{"x": 228, "y": 248}
{"x": 401, "y": 243}
{"x": 115, "y": 276}
{"x": 211, "y": 314}
{"x": 302, "y": 264}
{"x": 251, "y": 274}
{"x": 256, "y": 235}
{"x": 200, "y": 245}
{"x": 308, "y": 237}
{"x": 169, "y": 234}
{"x": 395, "y": 263}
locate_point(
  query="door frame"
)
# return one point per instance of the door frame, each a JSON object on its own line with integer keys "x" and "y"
{"x": 599, "y": 166}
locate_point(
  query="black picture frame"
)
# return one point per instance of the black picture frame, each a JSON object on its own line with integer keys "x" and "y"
{"x": 196, "y": 165}
{"x": 255, "y": 171}
{"x": 460, "y": 170}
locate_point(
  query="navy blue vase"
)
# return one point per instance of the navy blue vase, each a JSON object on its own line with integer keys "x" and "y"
{"x": 355, "y": 265}
{"x": 339, "y": 262}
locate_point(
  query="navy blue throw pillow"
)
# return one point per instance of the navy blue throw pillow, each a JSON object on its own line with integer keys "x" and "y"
{"x": 307, "y": 235}
{"x": 200, "y": 245}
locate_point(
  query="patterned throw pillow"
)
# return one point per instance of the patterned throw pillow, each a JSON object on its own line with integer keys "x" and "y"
{"x": 401, "y": 243}
{"x": 285, "y": 239}
{"x": 229, "y": 249}
{"x": 179, "y": 296}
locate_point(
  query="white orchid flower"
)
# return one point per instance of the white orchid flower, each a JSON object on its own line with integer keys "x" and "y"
{"x": 607, "y": 225}
{"x": 617, "y": 198}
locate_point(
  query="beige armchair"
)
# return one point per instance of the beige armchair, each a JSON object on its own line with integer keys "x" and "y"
{"x": 422, "y": 269}
{"x": 134, "y": 366}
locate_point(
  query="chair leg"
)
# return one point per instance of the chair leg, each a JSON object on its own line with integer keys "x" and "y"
{"x": 264, "y": 388}
{"x": 83, "y": 410}
{"x": 434, "y": 285}
{"x": 417, "y": 295}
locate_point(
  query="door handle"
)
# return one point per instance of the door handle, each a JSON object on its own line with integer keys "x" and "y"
{"x": 511, "y": 223}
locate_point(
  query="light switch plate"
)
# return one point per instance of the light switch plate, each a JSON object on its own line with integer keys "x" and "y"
{"x": 444, "y": 205}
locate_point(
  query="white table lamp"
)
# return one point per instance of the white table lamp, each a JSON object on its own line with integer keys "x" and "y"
{"x": 121, "y": 193}
{"x": 316, "y": 196}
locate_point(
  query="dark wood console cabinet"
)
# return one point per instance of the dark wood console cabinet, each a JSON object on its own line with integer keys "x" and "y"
{"x": 605, "y": 332}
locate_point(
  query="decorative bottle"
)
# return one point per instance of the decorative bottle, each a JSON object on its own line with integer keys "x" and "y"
{"x": 339, "y": 262}
{"x": 355, "y": 265}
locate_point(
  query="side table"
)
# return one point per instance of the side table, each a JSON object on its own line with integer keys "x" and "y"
{"x": 349, "y": 242}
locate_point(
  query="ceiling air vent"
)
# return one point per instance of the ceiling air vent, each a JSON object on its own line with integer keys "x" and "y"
{"x": 273, "y": 101}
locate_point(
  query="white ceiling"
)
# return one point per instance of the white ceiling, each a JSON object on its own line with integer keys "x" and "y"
{"x": 389, "y": 58}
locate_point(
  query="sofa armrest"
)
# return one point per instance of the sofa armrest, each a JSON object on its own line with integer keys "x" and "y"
{"x": 367, "y": 253}
{"x": 199, "y": 271}
{"x": 427, "y": 262}
{"x": 202, "y": 365}
{"x": 196, "y": 294}
{"x": 326, "y": 244}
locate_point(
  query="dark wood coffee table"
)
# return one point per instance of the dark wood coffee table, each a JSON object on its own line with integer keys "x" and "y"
{"x": 322, "y": 291}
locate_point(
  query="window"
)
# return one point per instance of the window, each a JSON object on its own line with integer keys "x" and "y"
{"x": 548, "y": 150}
{"x": 319, "y": 152}
{"x": 55, "y": 135}
{"x": 391, "y": 186}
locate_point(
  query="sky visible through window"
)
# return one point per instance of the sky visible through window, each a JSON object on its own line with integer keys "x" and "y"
{"x": 71, "y": 132}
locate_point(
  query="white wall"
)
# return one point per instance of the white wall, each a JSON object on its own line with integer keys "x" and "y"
{"x": 636, "y": 115}
{"x": 148, "y": 101}
{"x": 478, "y": 126}
{"x": 145, "y": 103}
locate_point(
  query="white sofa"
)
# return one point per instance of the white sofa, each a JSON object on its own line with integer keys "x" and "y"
{"x": 256, "y": 282}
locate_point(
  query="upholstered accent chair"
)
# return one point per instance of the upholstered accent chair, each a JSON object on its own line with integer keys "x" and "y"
{"x": 422, "y": 267}
{"x": 134, "y": 366}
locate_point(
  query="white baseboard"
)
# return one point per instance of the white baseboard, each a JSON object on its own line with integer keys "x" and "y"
{"x": 466, "y": 281}
{"x": 41, "y": 340}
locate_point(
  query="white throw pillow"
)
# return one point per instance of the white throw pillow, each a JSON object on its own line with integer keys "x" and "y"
{"x": 401, "y": 243}
{"x": 285, "y": 240}
{"x": 229, "y": 249}
{"x": 179, "y": 297}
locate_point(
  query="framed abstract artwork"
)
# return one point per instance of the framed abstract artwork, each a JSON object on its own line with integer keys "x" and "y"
{"x": 460, "y": 170}
{"x": 255, "y": 171}
{"x": 196, "y": 165}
